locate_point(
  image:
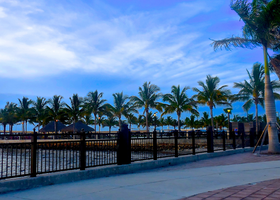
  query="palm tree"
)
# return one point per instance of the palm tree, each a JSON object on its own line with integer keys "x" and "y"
{"x": 24, "y": 111}
{"x": 131, "y": 119}
{"x": 179, "y": 102}
{"x": 211, "y": 94}
{"x": 12, "y": 115}
{"x": 88, "y": 119}
{"x": 3, "y": 118}
{"x": 205, "y": 121}
{"x": 261, "y": 19}
{"x": 148, "y": 96}
{"x": 55, "y": 110}
{"x": 190, "y": 121}
{"x": 110, "y": 122}
{"x": 122, "y": 106}
{"x": 168, "y": 121}
{"x": 162, "y": 122}
{"x": 39, "y": 110}
{"x": 221, "y": 121}
{"x": 76, "y": 110}
{"x": 100, "y": 120}
{"x": 95, "y": 104}
{"x": 140, "y": 121}
{"x": 252, "y": 91}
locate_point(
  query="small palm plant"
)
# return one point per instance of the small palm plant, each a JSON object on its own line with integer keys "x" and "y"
{"x": 179, "y": 102}
{"x": 131, "y": 119}
{"x": 211, "y": 94}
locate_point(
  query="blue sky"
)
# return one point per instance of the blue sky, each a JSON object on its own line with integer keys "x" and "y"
{"x": 50, "y": 47}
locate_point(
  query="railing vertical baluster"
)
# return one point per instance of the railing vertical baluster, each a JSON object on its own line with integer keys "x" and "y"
{"x": 176, "y": 142}
{"x": 82, "y": 151}
{"x": 155, "y": 144}
{"x": 233, "y": 140}
{"x": 243, "y": 139}
{"x": 193, "y": 142}
{"x": 33, "y": 153}
{"x": 224, "y": 140}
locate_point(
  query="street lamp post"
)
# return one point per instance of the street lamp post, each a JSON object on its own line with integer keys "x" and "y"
{"x": 155, "y": 120}
{"x": 228, "y": 111}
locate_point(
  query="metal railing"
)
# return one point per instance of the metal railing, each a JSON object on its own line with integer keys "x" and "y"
{"x": 32, "y": 154}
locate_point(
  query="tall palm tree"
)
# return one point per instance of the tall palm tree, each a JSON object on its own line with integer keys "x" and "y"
{"x": 211, "y": 94}
{"x": 252, "y": 91}
{"x": 148, "y": 97}
{"x": 179, "y": 102}
{"x": 261, "y": 22}
{"x": 39, "y": 110}
{"x": 24, "y": 111}
{"x": 122, "y": 106}
{"x": 55, "y": 110}
{"x": 95, "y": 104}
{"x": 75, "y": 110}
{"x": 3, "y": 118}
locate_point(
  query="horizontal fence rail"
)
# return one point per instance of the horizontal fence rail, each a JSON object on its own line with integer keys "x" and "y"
{"x": 32, "y": 154}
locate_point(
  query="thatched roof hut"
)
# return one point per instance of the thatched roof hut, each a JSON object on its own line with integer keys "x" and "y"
{"x": 50, "y": 127}
{"x": 78, "y": 127}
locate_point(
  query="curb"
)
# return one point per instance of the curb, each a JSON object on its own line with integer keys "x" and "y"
{"x": 24, "y": 183}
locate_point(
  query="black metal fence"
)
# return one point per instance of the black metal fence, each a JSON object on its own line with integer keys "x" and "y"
{"x": 33, "y": 154}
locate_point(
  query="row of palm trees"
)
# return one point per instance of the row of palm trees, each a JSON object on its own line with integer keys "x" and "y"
{"x": 42, "y": 111}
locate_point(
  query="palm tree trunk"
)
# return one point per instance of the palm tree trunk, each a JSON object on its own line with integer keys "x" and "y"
{"x": 212, "y": 121}
{"x": 11, "y": 129}
{"x": 130, "y": 126}
{"x": 270, "y": 109}
{"x": 147, "y": 123}
{"x": 179, "y": 127}
{"x": 257, "y": 119}
{"x": 120, "y": 123}
{"x": 23, "y": 126}
{"x": 55, "y": 125}
{"x": 95, "y": 123}
{"x": 74, "y": 136}
{"x": 26, "y": 126}
{"x": 4, "y": 127}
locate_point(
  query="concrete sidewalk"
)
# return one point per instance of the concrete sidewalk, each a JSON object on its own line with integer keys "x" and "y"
{"x": 174, "y": 182}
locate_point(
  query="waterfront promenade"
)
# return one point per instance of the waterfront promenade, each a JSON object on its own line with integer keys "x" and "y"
{"x": 186, "y": 181}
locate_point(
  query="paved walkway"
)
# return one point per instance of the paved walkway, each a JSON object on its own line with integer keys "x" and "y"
{"x": 227, "y": 177}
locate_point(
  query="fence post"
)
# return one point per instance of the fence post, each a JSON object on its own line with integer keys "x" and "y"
{"x": 243, "y": 139}
{"x": 210, "y": 146}
{"x": 33, "y": 153}
{"x": 233, "y": 140}
{"x": 252, "y": 137}
{"x": 224, "y": 140}
{"x": 82, "y": 150}
{"x": 155, "y": 144}
{"x": 176, "y": 142}
{"x": 193, "y": 142}
{"x": 124, "y": 146}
